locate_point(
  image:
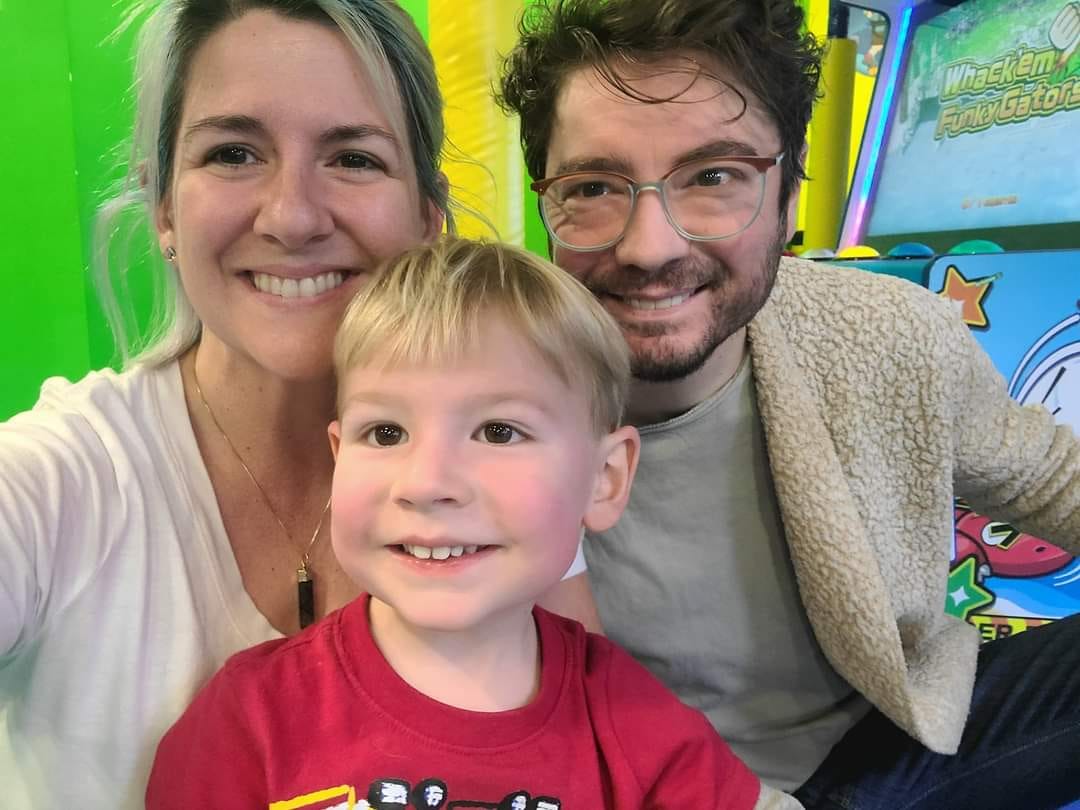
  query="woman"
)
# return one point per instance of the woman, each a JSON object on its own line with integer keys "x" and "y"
{"x": 156, "y": 521}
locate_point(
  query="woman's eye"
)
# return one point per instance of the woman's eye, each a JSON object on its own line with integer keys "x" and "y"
{"x": 232, "y": 156}
{"x": 358, "y": 160}
{"x": 499, "y": 433}
{"x": 385, "y": 435}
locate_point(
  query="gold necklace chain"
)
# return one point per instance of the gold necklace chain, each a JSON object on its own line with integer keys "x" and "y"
{"x": 305, "y": 593}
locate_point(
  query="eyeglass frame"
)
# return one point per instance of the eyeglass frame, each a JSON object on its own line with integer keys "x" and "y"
{"x": 761, "y": 163}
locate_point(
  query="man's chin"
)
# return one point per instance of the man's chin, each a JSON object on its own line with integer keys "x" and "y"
{"x": 669, "y": 366}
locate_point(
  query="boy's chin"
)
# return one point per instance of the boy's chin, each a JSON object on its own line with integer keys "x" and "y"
{"x": 438, "y": 616}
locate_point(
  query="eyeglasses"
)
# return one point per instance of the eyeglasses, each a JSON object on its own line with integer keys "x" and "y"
{"x": 704, "y": 200}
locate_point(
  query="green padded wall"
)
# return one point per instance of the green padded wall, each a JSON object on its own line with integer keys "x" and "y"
{"x": 43, "y": 328}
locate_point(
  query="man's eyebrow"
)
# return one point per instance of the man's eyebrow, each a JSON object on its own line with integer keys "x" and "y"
{"x": 610, "y": 163}
{"x": 718, "y": 148}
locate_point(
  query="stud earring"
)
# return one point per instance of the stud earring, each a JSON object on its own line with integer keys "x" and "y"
{"x": 170, "y": 254}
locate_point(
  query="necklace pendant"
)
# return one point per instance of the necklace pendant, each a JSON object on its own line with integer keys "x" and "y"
{"x": 305, "y": 596}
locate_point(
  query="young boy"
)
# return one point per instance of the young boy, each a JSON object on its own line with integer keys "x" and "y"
{"x": 480, "y": 397}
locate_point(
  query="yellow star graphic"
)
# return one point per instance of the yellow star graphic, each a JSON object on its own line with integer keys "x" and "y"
{"x": 967, "y": 295}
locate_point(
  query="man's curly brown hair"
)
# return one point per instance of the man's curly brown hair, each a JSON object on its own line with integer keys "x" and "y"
{"x": 760, "y": 44}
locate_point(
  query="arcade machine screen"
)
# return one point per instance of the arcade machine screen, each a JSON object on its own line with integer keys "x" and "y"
{"x": 982, "y": 138}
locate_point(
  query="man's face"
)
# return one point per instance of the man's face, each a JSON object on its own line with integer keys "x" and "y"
{"x": 675, "y": 299}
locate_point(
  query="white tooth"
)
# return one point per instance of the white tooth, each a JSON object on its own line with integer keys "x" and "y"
{"x": 457, "y": 551}
{"x": 290, "y": 288}
{"x": 275, "y": 285}
{"x": 471, "y": 549}
{"x": 307, "y": 287}
{"x": 322, "y": 283}
{"x": 441, "y": 552}
{"x": 421, "y": 552}
{"x": 338, "y": 279}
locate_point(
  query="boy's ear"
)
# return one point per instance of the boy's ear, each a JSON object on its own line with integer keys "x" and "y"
{"x": 619, "y": 452}
{"x": 334, "y": 432}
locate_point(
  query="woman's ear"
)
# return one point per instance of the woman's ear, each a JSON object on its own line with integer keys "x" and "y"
{"x": 434, "y": 216}
{"x": 619, "y": 452}
{"x": 163, "y": 225}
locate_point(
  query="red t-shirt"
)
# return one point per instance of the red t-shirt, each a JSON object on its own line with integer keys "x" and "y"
{"x": 321, "y": 719}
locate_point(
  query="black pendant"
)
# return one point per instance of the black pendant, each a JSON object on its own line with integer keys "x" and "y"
{"x": 305, "y": 597}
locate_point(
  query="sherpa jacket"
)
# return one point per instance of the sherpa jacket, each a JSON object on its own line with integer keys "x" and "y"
{"x": 879, "y": 406}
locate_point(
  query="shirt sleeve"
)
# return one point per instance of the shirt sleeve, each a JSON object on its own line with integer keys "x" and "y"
{"x": 210, "y": 757}
{"x": 54, "y": 481}
{"x": 677, "y": 757}
{"x": 1012, "y": 461}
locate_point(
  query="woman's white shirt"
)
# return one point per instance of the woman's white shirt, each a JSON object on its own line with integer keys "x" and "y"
{"x": 119, "y": 592}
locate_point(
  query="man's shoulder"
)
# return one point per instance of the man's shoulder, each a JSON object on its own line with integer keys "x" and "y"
{"x": 814, "y": 301}
{"x": 828, "y": 288}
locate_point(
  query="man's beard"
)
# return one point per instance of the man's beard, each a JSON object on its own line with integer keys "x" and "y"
{"x": 733, "y": 309}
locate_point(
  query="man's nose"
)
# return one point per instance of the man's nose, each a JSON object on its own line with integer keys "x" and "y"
{"x": 650, "y": 241}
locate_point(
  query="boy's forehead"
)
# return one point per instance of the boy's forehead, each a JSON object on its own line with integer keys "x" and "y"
{"x": 592, "y": 119}
{"x": 496, "y": 357}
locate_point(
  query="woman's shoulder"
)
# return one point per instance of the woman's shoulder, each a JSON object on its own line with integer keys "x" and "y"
{"x": 94, "y": 427}
{"x": 105, "y": 390}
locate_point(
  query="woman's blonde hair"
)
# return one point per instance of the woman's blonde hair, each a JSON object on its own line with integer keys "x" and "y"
{"x": 429, "y": 304}
{"x": 388, "y": 45}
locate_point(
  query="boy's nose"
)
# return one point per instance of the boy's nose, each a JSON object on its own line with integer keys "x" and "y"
{"x": 431, "y": 476}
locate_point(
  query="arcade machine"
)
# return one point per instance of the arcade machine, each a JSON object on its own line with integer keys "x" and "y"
{"x": 969, "y": 171}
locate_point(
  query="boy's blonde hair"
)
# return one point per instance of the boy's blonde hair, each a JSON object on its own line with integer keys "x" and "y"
{"x": 428, "y": 304}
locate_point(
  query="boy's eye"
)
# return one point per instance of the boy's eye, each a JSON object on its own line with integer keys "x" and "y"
{"x": 385, "y": 435}
{"x": 499, "y": 433}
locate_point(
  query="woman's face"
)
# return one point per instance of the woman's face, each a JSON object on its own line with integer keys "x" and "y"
{"x": 289, "y": 187}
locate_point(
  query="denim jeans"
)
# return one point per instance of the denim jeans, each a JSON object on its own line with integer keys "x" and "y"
{"x": 1020, "y": 749}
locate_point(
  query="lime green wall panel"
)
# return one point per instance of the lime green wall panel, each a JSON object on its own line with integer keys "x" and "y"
{"x": 43, "y": 328}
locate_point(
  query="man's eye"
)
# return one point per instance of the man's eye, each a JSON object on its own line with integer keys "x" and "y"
{"x": 499, "y": 433}
{"x": 385, "y": 435}
{"x": 595, "y": 188}
{"x": 588, "y": 189}
{"x": 715, "y": 176}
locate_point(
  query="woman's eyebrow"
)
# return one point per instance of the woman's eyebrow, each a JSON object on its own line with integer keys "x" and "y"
{"x": 249, "y": 125}
{"x": 243, "y": 124}
{"x": 351, "y": 132}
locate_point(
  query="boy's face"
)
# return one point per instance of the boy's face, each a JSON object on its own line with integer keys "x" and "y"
{"x": 460, "y": 491}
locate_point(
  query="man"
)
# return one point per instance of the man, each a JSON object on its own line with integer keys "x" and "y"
{"x": 783, "y": 561}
